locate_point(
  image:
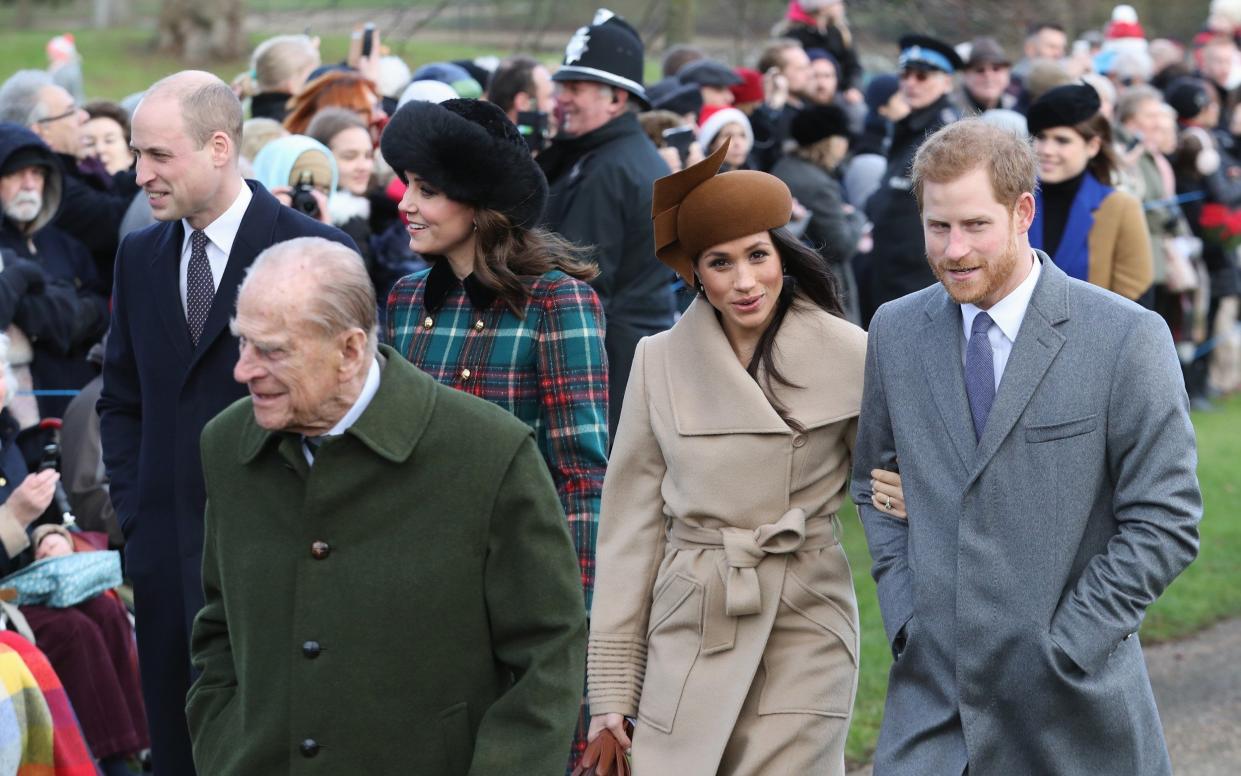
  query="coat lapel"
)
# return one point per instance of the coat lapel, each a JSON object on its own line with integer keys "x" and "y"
{"x": 713, "y": 394}
{"x": 945, "y": 375}
{"x": 253, "y": 235}
{"x": 166, "y": 276}
{"x": 1036, "y": 347}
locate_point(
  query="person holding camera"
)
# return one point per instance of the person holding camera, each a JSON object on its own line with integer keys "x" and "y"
{"x": 300, "y": 172}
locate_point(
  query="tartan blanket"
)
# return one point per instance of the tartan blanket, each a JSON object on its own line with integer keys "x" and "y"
{"x": 39, "y": 733}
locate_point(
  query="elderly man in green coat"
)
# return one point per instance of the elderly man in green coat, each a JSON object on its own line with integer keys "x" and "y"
{"x": 390, "y": 585}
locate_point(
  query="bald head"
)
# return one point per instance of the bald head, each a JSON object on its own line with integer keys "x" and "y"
{"x": 207, "y": 105}
{"x": 324, "y": 281}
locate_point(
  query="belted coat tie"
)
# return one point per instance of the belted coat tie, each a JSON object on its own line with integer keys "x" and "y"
{"x": 724, "y": 616}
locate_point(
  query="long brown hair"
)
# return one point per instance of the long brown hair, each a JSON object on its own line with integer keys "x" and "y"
{"x": 1105, "y": 164}
{"x": 506, "y": 257}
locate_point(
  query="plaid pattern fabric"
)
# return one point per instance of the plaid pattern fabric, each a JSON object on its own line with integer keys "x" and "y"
{"x": 39, "y": 733}
{"x": 548, "y": 369}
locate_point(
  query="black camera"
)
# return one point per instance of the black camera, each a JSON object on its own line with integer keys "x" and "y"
{"x": 303, "y": 196}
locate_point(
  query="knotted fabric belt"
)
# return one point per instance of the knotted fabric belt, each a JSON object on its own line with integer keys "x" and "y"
{"x": 734, "y": 592}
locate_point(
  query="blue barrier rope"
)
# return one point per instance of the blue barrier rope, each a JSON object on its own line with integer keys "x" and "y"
{"x": 49, "y": 392}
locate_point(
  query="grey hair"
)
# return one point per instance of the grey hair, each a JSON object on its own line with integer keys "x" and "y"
{"x": 1129, "y": 102}
{"x": 344, "y": 296}
{"x": 208, "y": 105}
{"x": 19, "y": 97}
{"x": 10, "y": 379}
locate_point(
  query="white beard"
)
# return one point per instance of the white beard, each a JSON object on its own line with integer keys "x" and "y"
{"x": 24, "y": 207}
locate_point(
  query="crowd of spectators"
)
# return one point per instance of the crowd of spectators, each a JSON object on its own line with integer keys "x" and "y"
{"x": 1138, "y": 139}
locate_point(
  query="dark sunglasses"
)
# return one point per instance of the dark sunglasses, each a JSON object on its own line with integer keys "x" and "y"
{"x": 916, "y": 74}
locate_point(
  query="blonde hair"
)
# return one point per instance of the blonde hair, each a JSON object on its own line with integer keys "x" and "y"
{"x": 971, "y": 144}
{"x": 278, "y": 59}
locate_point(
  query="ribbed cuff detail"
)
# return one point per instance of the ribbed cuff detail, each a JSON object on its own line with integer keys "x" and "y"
{"x": 615, "y": 668}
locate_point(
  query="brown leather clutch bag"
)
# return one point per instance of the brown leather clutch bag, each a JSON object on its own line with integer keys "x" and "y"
{"x": 604, "y": 756}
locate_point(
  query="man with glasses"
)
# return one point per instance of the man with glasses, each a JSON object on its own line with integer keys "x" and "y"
{"x": 985, "y": 82}
{"x": 897, "y": 264}
{"x": 90, "y": 213}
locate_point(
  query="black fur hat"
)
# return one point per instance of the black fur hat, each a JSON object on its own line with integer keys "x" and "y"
{"x": 469, "y": 150}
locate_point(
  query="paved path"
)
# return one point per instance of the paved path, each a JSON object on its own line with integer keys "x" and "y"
{"x": 1198, "y": 688}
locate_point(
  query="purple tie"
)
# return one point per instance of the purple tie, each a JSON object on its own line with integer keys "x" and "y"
{"x": 199, "y": 286}
{"x": 979, "y": 373}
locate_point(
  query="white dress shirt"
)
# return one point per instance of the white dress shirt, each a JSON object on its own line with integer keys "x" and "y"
{"x": 220, "y": 235}
{"x": 1006, "y": 316}
{"x": 359, "y": 406}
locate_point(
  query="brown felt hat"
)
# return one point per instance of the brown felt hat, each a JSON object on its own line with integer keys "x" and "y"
{"x": 694, "y": 209}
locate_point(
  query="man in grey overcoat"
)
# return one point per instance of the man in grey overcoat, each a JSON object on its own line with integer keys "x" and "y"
{"x": 1042, "y": 434}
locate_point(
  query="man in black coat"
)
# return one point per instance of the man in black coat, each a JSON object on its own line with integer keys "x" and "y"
{"x": 90, "y": 211}
{"x": 169, "y": 365}
{"x": 48, "y": 287}
{"x": 601, "y": 169}
{"x": 897, "y": 264}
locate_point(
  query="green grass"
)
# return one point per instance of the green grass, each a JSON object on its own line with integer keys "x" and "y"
{"x": 118, "y": 62}
{"x": 1208, "y": 591}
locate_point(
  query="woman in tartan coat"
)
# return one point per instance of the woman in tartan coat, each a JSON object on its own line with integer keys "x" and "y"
{"x": 504, "y": 312}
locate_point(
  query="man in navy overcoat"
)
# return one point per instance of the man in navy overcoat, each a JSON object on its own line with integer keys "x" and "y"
{"x": 169, "y": 365}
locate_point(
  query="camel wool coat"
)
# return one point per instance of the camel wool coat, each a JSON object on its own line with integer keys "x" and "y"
{"x": 724, "y": 615}
{"x": 1120, "y": 248}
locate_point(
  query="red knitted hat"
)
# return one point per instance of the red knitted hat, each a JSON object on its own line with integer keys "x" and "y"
{"x": 751, "y": 87}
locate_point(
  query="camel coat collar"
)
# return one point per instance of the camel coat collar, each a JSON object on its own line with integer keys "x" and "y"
{"x": 712, "y": 393}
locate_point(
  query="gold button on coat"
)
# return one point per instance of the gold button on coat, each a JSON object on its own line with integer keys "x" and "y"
{"x": 478, "y": 325}
{"x": 465, "y": 374}
{"x": 428, "y": 323}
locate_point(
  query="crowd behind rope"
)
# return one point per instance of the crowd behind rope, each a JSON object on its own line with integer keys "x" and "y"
{"x": 502, "y": 211}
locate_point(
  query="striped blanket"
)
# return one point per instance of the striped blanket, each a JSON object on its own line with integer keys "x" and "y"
{"x": 39, "y": 733}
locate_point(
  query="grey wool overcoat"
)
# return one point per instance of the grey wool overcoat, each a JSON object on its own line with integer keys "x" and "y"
{"x": 724, "y": 617}
{"x": 1030, "y": 556}
{"x": 408, "y": 605}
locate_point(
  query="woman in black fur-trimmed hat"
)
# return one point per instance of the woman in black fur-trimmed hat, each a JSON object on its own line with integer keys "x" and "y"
{"x": 503, "y": 312}
{"x": 1091, "y": 230}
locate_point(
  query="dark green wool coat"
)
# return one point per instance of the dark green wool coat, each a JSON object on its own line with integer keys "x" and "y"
{"x": 409, "y": 605}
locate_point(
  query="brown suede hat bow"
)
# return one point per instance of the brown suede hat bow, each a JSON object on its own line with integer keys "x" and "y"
{"x": 694, "y": 209}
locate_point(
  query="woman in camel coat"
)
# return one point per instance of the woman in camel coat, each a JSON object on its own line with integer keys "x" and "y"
{"x": 724, "y": 617}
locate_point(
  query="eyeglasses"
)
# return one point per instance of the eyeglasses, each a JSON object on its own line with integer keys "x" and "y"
{"x": 73, "y": 111}
{"x": 917, "y": 75}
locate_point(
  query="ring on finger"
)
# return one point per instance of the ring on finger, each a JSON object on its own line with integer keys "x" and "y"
{"x": 888, "y": 503}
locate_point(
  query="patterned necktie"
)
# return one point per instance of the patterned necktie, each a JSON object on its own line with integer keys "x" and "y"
{"x": 199, "y": 286}
{"x": 980, "y": 373}
{"x": 312, "y": 446}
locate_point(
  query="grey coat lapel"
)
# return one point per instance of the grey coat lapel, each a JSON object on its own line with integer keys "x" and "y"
{"x": 1036, "y": 347}
{"x": 941, "y": 359}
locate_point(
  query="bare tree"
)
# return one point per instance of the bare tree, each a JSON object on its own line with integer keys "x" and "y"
{"x": 202, "y": 31}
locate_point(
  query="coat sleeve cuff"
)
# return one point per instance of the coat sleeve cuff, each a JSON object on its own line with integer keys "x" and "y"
{"x": 12, "y": 534}
{"x": 615, "y": 669}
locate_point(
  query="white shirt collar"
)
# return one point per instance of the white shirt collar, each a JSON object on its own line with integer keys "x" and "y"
{"x": 1009, "y": 311}
{"x": 222, "y": 231}
{"x": 364, "y": 399}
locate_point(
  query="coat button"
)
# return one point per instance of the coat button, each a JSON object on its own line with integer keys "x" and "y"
{"x": 799, "y": 440}
{"x": 478, "y": 325}
{"x": 465, "y": 374}
{"x": 428, "y": 322}
{"x": 320, "y": 550}
{"x": 311, "y": 650}
{"x": 309, "y": 747}
{"x": 3, "y": 482}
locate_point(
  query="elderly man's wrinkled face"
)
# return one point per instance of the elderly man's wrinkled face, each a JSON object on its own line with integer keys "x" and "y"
{"x": 293, "y": 370}
{"x": 21, "y": 193}
{"x": 61, "y": 122}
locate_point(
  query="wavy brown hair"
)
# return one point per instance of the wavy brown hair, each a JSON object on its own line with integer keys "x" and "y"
{"x": 507, "y": 258}
{"x": 336, "y": 89}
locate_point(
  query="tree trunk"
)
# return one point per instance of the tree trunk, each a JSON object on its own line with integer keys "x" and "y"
{"x": 680, "y": 27}
{"x": 202, "y": 31}
{"x": 23, "y": 15}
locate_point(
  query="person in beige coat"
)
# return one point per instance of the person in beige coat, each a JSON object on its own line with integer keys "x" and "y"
{"x": 724, "y": 617}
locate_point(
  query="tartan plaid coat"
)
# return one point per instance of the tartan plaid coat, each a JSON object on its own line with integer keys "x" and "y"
{"x": 548, "y": 368}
